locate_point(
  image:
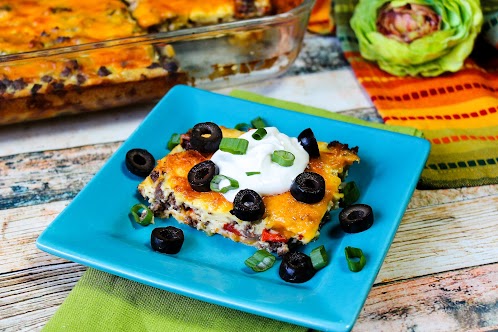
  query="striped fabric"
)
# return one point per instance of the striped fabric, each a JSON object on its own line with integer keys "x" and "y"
{"x": 457, "y": 112}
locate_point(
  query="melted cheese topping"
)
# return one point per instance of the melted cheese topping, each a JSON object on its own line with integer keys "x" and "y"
{"x": 29, "y": 25}
{"x": 176, "y": 167}
{"x": 181, "y": 13}
{"x": 153, "y": 12}
{"x": 292, "y": 218}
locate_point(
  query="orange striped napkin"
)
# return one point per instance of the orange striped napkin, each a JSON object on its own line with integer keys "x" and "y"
{"x": 457, "y": 112}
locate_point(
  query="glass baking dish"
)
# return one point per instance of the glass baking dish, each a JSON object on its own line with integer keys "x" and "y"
{"x": 52, "y": 82}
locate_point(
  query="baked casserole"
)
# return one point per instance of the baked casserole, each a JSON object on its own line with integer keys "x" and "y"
{"x": 83, "y": 76}
{"x": 60, "y": 84}
{"x": 286, "y": 221}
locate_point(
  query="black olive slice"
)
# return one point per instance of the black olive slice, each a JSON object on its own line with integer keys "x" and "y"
{"x": 309, "y": 143}
{"x": 308, "y": 187}
{"x": 168, "y": 240}
{"x": 248, "y": 205}
{"x": 356, "y": 218}
{"x": 296, "y": 267}
{"x": 140, "y": 162}
{"x": 206, "y": 137}
{"x": 200, "y": 175}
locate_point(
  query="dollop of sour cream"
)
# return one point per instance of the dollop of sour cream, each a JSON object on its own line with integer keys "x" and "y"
{"x": 273, "y": 178}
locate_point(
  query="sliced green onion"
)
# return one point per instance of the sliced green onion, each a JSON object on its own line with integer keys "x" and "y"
{"x": 234, "y": 145}
{"x": 356, "y": 259}
{"x": 351, "y": 194}
{"x": 142, "y": 214}
{"x": 261, "y": 261}
{"x": 174, "y": 141}
{"x": 283, "y": 158}
{"x": 258, "y": 123}
{"x": 319, "y": 257}
{"x": 252, "y": 173}
{"x": 242, "y": 126}
{"x": 259, "y": 134}
{"x": 215, "y": 184}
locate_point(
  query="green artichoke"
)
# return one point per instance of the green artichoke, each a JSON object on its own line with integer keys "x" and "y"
{"x": 417, "y": 37}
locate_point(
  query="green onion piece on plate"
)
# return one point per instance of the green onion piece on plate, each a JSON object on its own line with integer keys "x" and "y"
{"x": 261, "y": 261}
{"x": 252, "y": 173}
{"x": 174, "y": 141}
{"x": 258, "y": 123}
{"x": 242, "y": 126}
{"x": 351, "y": 194}
{"x": 214, "y": 185}
{"x": 234, "y": 145}
{"x": 259, "y": 134}
{"x": 355, "y": 258}
{"x": 142, "y": 214}
{"x": 283, "y": 158}
{"x": 319, "y": 257}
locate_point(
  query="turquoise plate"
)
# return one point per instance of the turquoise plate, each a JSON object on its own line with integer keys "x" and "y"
{"x": 95, "y": 229}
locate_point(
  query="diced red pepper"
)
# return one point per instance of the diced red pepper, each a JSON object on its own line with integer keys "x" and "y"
{"x": 231, "y": 228}
{"x": 268, "y": 236}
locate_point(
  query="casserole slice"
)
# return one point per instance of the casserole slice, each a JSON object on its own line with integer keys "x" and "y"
{"x": 286, "y": 221}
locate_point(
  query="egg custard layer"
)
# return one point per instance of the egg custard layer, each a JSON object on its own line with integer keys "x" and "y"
{"x": 286, "y": 221}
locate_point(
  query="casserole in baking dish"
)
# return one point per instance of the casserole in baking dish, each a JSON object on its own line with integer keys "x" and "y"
{"x": 61, "y": 57}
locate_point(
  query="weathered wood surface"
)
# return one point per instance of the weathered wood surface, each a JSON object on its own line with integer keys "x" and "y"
{"x": 441, "y": 273}
{"x": 28, "y": 298}
{"x": 41, "y": 177}
{"x": 461, "y": 300}
{"x": 442, "y": 238}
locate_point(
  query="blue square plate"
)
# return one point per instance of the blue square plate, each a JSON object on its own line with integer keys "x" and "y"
{"x": 95, "y": 229}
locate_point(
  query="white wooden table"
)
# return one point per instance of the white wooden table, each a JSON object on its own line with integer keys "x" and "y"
{"x": 441, "y": 273}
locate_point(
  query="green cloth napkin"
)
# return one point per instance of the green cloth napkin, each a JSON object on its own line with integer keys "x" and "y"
{"x": 104, "y": 302}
